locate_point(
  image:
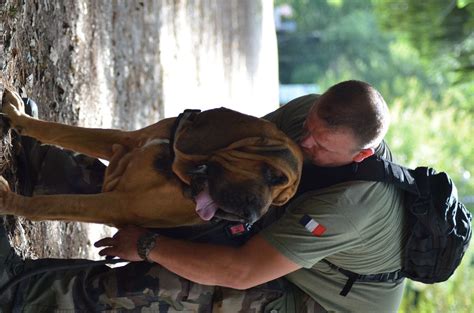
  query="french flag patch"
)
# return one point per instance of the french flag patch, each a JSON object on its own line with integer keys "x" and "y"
{"x": 312, "y": 226}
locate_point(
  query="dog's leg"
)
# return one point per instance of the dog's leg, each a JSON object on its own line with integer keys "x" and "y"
{"x": 94, "y": 142}
{"x": 90, "y": 141}
{"x": 105, "y": 208}
{"x": 115, "y": 208}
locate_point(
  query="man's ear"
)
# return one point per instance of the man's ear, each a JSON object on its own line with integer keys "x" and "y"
{"x": 363, "y": 154}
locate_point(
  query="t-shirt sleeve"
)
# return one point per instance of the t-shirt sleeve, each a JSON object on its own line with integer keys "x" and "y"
{"x": 310, "y": 230}
{"x": 276, "y": 117}
{"x": 290, "y": 117}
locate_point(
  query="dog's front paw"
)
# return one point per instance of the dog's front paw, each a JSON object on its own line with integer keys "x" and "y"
{"x": 13, "y": 107}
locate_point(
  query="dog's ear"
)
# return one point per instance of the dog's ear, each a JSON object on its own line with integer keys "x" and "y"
{"x": 273, "y": 177}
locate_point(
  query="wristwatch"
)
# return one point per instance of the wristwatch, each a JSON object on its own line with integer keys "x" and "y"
{"x": 145, "y": 244}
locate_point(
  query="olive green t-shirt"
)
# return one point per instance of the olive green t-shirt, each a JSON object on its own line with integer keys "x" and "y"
{"x": 360, "y": 229}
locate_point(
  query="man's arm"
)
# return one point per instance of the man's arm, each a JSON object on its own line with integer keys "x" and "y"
{"x": 254, "y": 263}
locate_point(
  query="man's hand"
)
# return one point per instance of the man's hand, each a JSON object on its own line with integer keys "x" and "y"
{"x": 123, "y": 244}
{"x": 13, "y": 107}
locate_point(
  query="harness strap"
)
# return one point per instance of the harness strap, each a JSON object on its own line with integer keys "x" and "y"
{"x": 188, "y": 114}
{"x": 394, "y": 276}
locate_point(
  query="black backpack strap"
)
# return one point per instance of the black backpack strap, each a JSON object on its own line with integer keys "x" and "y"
{"x": 374, "y": 168}
{"x": 415, "y": 182}
{"x": 352, "y": 277}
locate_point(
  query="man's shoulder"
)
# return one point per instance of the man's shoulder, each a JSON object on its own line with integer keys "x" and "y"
{"x": 297, "y": 106}
{"x": 303, "y": 102}
{"x": 290, "y": 117}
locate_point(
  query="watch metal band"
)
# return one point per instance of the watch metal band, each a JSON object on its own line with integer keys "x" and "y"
{"x": 145, "y": 244}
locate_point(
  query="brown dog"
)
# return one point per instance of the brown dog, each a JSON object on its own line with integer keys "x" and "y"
{"x": 225, "y": 165}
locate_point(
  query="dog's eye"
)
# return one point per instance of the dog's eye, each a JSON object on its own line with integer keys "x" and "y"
{"x": 273, "y": 177}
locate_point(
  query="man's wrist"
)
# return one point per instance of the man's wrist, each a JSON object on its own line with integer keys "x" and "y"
{"x": 145, "y": 244}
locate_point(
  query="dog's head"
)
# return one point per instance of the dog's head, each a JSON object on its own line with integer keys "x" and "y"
{"x": 243, "y": 195}
{"x": 237, "y": 165}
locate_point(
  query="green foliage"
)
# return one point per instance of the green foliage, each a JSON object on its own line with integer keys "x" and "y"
{"x": 342, "y": 38}
{"x": 420, "y": 134}
{"x": 439, "y": 29}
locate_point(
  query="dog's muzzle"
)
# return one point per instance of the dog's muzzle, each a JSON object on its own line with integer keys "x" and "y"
{"x": 219, "y": 197}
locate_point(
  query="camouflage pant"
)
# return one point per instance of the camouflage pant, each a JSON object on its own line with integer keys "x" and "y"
{"x": 45, "y": 169}
{"x": 144, "y": 287}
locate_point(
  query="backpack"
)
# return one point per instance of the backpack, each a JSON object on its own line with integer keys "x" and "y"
{"x": 440, "y": 225}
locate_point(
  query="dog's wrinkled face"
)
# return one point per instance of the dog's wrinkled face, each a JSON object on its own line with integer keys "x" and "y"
{"x": 236, "y": 196}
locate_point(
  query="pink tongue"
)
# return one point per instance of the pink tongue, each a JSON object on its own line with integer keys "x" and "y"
{"x": 205, "y": 206}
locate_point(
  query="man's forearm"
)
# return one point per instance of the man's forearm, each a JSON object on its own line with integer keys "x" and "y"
{"x": 201, "y": 263}
{"x": 253, "y": 263}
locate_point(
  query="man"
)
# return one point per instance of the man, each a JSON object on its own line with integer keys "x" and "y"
{"x": 357, "y": 226}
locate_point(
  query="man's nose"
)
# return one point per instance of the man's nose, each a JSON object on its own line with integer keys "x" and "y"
{"x": 307, "y": 141}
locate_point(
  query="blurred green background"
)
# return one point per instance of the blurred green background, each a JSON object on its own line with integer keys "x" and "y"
{"x": 420, "y": 56}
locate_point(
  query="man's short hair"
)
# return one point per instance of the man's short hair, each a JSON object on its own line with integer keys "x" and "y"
{"x": 357, "y": 106}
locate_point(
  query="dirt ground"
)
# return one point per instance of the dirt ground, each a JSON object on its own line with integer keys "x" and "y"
{"x": 127, "y": 64}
